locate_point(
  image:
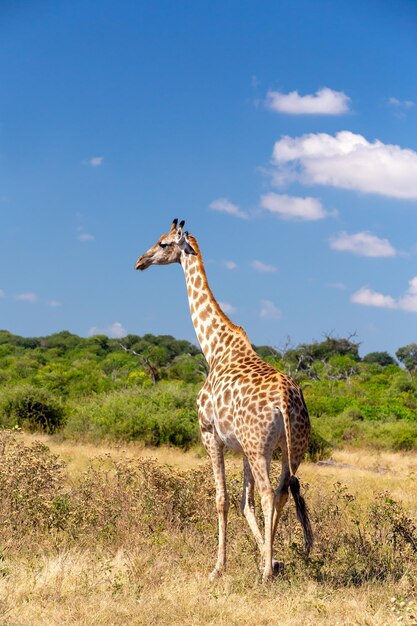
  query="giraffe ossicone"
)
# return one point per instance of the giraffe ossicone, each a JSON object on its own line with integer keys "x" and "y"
{"x": 245, "y": 404}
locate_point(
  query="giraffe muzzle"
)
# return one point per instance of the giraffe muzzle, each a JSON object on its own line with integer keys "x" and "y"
{"x": 142, "y": 263}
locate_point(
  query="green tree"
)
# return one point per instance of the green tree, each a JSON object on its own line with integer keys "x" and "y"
{"x": 381, "y": 358}
{"x": 306, "y": 357}
{"x": 407, "y": 355}
{"x": 64, "y": 341}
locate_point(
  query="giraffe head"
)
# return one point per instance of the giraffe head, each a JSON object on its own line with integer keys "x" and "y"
{"x": 168, "y": 249}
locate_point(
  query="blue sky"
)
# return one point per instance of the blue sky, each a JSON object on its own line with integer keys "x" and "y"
{"x": 284, "y": 133}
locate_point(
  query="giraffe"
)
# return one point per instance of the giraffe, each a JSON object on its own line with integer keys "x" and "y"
{"x": 245, "y": 405}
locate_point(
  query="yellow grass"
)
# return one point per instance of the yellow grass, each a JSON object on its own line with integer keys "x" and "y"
{"x": 78, "y": 455}
{"x": 365, "y": 472}
{"x": 362, "y": 471}
{"x": 90, "y": 589}
{"x": 163, "y": 582}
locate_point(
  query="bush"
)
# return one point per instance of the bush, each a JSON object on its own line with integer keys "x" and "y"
{"x": 123, "y": 503}
{"x": 349, "y": 428}
{"x": 322, "y": 403}
{"x": 161, "y": 414}
{"x": 318, "y": 447}
{"x": 355, "y": 545}
{"x": 29, "y": 407}
{"x": 31, "y": 477}
{"x": 405, "y": 441}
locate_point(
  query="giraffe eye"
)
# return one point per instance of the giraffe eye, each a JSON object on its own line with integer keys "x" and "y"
{"x": 162, "y": 245}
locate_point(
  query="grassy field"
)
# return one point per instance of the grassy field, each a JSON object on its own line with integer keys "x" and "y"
{"x": 102, "y": 535}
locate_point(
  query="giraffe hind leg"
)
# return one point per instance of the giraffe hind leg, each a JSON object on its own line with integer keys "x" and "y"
{"x": 247, "y": 507}
{"x": 281, "y": 497}
{"x": 260, "y": 469}
{"x": 281, "y": 492}
{"x": 247, "y": 503}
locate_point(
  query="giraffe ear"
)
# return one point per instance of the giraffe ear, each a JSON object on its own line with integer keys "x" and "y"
{"x": 184, "y": 243}
{"x": 188, "y": 249}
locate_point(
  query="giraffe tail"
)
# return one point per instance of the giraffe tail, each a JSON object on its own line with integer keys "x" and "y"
{"x": 302, "y": 513}
{"x": 294, "y": 484}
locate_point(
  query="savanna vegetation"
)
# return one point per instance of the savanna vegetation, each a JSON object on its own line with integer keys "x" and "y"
{"x": 144, "y": 389}
{"x": 94, "y": 535}
{"x": 101, "y": 523}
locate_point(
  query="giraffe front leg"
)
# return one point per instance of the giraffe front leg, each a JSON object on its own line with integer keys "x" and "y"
{"x": 215, "y": 450}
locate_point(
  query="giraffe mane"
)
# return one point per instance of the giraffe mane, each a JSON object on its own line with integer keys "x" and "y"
{"x": 226, "y": 319}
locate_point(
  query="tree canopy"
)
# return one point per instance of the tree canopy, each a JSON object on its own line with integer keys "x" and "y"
{"x": 98, "y": 384}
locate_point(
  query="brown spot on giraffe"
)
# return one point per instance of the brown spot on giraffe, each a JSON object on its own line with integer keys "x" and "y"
{"x": 244, "y": 404}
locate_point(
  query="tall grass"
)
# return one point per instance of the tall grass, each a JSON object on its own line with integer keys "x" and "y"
{"x": 131, "y": 541}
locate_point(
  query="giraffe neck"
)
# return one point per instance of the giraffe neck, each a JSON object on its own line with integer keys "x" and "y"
{"x": 215, "y": 331}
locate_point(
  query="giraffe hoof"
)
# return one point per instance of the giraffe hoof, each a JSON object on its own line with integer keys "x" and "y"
{"x": 216, "y": 574}
{"x": 277, "y": 568}
{"x": 267, "y": 577}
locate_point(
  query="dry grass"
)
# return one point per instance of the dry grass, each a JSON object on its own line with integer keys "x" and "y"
{"x": 366, "y": 471}
{"x": 78, "y": 456}
{"x": 139, "y": 588}
{"x": 112, "y": 538}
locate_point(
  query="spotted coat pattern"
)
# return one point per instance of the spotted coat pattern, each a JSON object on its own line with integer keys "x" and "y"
{"x": 246, "y": 405}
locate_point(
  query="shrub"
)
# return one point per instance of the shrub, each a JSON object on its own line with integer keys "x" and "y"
{"x": 353, "y": 413}
{"x": 346, "y": 428}
{"x": 354, "y": 545}
{"x": 130, "y": 501}
{"x": 323, "y": 401}
{"x": 30, "y": 407}
{"x": 161, "y": 414}
{"x": 30, "y": 478}
{"x": 405, "y": 441}
{"x": 318, "y": 447}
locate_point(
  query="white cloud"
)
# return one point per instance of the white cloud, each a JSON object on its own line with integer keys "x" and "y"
{"x": 227, "y": 308}
{"x": 363, "y": 244}
{"x": 269, "y": 311}
{"x": 337, "y": 285}
{"x": 96, "y": 161}
{"x": 82, "y": 234}
{"x": 2, "y": 294}
{"x": 85, "y": 237}
{"x": 115, "y": 331}
{"x": 31, "y": 297}
{"x": 400, "y": 107}
{"x": 347, "y": 161}
{"x": 406, "y": 302}
{"x": 259, "y": 266}
{"x": 324, "y": 102}
{"x": 400, "y": 104}
{"x": 28, "y": 296}
{"x": 255, "y": 82}
{"x": 293, "y": 207}
{"x": 368, "y": 297}
{"x": 223, "y": 205}
{"x": 230, "y": 265}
